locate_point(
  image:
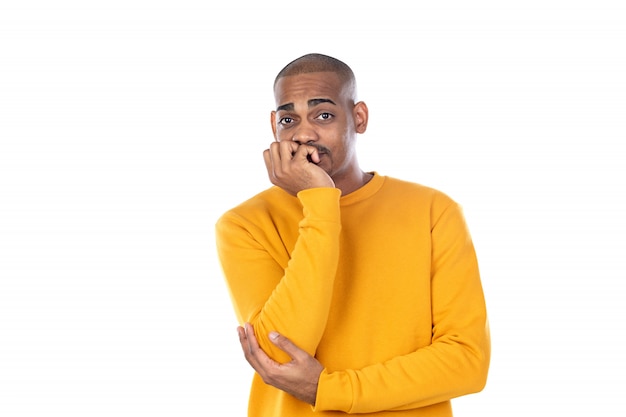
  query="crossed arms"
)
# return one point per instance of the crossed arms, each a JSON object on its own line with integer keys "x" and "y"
{"x": 281, "y": 288}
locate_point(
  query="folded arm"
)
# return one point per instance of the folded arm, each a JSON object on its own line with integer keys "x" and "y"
{"x": 454, "y": 364}
{"x": 276, "y": 288}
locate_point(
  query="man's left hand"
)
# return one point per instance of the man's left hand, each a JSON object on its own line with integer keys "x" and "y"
{"x": 299, "y": 377}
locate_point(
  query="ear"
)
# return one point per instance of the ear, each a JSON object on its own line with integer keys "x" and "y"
{"x": 273, "y": 121}
{"x": 360, "y": 114}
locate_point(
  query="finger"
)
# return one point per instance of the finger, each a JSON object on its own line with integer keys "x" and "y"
{"x": 275, "y": 159}
{"x": 257, "y": 357}
{"x": 242, "y": 338}
{"x": 271, "y": 157}
{"x": 310, "y": 153}
{"x": 268, "y": 163}
{"x": 287, "y": 151}
{"x": 245, "y": 345}
{"x": 253, "y": 355}
{"x": 253, "y": 343}
{"x": 287, "y": 346}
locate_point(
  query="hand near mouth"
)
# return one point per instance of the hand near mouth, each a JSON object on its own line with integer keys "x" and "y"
{"x": 294, "y": 167}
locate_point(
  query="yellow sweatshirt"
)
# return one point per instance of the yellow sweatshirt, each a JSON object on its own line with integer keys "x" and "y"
{"x": 381, "y": 286}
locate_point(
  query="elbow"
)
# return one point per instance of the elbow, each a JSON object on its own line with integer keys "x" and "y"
{"x": 481, "y": 359}
{"x": 480, "y": 378}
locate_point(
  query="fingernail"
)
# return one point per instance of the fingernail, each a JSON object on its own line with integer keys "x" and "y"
{"x": 273, "y": 335}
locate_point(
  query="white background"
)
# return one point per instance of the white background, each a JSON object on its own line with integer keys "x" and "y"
{"x": 128, "y": 127}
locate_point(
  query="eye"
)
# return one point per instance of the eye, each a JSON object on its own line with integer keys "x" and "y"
{"x": 285, "y": 121}
{"x": 325, "y": 116}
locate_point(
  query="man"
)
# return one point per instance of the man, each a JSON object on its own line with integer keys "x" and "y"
{"x": 358, "y": 293}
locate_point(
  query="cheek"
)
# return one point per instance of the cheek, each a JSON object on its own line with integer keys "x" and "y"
{"x": 281, "y": 135}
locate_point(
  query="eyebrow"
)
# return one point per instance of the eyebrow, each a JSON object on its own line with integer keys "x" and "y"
{"x": 312, "y": 103}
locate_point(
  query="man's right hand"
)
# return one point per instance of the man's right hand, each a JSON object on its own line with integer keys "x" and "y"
{"x": 289, "y": 167}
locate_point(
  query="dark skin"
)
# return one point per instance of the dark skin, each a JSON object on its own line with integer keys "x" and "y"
{"x": 298, "y": 377}
{"x": 315, "y": 125}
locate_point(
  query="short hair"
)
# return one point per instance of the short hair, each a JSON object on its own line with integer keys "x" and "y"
{"x": 320, "y": 63}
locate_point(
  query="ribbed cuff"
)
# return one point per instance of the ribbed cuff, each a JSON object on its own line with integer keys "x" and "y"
{"x": 321, "y": 203}
{"x": 334, "y": 392}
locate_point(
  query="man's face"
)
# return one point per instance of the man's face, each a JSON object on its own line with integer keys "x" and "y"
{"x": 316, "y": 109}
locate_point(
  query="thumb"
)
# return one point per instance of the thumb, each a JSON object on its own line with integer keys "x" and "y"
{"x": 286, "y": 345}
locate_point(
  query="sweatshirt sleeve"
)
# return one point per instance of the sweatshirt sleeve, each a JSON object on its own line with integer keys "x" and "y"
{"x": 457, "y": 360}
{"x": 293, "y": 299}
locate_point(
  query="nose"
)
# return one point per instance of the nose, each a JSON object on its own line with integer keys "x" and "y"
{"x": 304, "y": 133}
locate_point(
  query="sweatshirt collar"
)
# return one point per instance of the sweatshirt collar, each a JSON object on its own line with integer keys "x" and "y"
{"x": 365, "y": 191}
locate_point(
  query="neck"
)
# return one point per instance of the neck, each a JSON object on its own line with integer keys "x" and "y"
{"x": 353, "y": 182}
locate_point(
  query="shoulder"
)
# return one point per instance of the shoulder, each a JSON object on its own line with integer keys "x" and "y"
{"x": 416, "y": 199}
{"x": 443, "y": 212}
{"x": 415, "y": 191}
{"x": 262, "y": 205}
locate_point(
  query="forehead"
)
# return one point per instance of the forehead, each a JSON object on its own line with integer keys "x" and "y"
{"x": 303, "y": 87}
